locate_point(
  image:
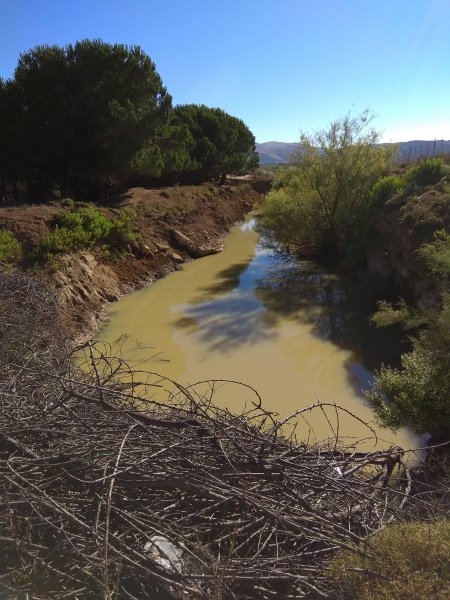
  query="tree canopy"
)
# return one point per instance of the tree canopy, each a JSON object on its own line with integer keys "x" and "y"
{"x": 319, "y": 204}
{"x": 83, "y": 111}
{"x": 81, "y": 119}
{"x": 221, "y": 143}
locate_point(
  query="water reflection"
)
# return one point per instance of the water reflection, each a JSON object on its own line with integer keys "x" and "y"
{"x": 245, "y": 302}
{"x": 337, "y": 308}
{"x": 225, "y": 281}
{"x": 227, "y": 322}
{"x": 228, "y": 313}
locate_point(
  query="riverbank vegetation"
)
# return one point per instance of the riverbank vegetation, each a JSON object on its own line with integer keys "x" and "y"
{"x": 86, "y": 227}
{"x": 401, "y": 562}
{"x": 334, "y": 201}
{"x": 319, "y": 205}
{"x": 419, "y": 394}
{"x": 344, "y": 200}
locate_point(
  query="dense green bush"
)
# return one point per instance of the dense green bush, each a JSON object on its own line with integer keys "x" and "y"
{"x": 428, "y": 172}
{"x": 85, "y": 228}
{"x": 10, "y": 247}
{"x": 319, "y": 206}
{"x": 384, "y": 189}
{"x": 437, "y": 254}
{"x": 419, "y": 394}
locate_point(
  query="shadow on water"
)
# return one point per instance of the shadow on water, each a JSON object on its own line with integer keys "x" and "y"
{"x": 338, "y": 308}
{"x": 225, "y": 281}
{"x": 226, "y": 323}
{"x": 244, "y": 303}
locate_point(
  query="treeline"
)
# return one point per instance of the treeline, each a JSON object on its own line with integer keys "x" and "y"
{"x": 81, "y": 120}
{"x": 324, "y": 205}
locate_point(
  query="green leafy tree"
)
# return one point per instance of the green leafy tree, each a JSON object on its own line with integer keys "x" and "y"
{"x": 128, "y": 106}
{"x": 43, "y": 140}
{"x": 85, "y": 111}
{"x": 4, "y": 143}
{"x": 221, "y": 143}
{"x": 320, "y": 205}
{"x": 7, "y": 138}
{"x": 17, "y": 164}
{"x": 167, "y": 154}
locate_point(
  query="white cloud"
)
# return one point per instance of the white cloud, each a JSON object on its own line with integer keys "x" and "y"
{"x": 417, "y": 131}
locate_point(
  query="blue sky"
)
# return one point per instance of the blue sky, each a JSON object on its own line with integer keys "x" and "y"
{"x": 279, "y": 65}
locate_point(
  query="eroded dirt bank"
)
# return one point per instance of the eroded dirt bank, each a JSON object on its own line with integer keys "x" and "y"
{"x": 174, "y": 225}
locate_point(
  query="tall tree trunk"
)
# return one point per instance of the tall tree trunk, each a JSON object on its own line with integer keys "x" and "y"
{"x": 3, "y": 193}
{"x": 15, "y": 193}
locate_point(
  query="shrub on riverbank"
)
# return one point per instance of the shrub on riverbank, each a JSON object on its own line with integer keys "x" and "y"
{"x": 319, "y": 205}
{"x": 10, "y": 248}
{"x": 85, "y": 228}
{"x": 426, "y": 173}
{"x": 419, "y": 394}
{"x": 337, "y": 201}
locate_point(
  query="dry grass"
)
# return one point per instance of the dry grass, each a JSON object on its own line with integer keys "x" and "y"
{"x": 403, "y": 562}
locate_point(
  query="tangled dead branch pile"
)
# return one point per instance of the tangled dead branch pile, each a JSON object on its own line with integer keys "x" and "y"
{"x": 94, "y": 477}
{"x": 108, "y": 493}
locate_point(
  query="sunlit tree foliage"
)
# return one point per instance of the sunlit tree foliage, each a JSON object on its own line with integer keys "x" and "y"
{"x": 320, "y": 204}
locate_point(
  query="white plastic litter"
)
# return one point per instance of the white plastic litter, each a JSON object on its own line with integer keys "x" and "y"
{"x": 165, "y": 553}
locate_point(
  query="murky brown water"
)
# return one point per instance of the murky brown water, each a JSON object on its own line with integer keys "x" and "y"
{"x": 282, "y": 328}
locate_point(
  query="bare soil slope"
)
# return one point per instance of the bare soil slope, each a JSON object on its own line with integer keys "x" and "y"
{"x": 85, "y": 281}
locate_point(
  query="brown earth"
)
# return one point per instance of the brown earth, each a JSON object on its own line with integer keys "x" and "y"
{"x": 175, "y": 225}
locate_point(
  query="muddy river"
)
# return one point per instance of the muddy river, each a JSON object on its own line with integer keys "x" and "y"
{"x": 285, "y": 328}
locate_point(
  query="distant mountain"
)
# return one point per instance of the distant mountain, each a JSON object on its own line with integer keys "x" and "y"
{"x": 279, "y": 152}
{"x": 275, "y": 152}
{"x": 416, "y": 149}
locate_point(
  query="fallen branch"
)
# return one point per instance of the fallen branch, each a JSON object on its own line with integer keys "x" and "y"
{"x": 92, "y": 471}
